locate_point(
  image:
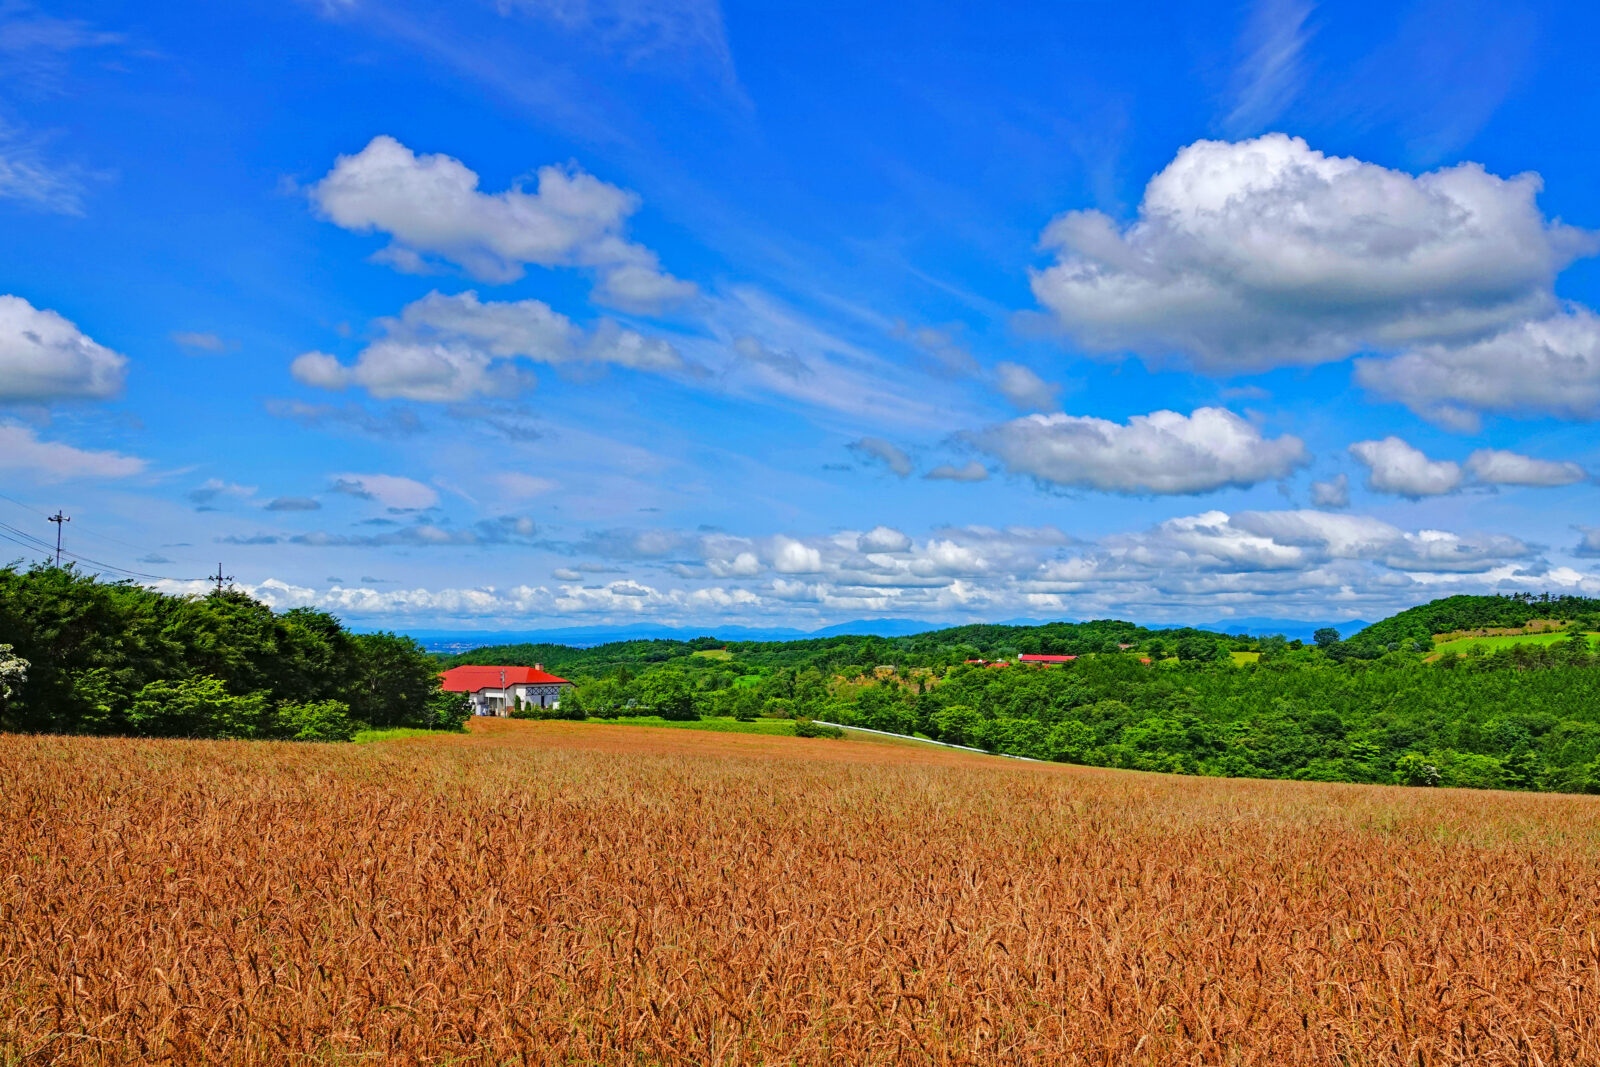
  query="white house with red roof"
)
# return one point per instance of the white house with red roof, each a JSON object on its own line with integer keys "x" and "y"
{"x": 496, "y": 690}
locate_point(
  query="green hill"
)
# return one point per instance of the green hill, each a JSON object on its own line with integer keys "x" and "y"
{"x": 1457, "y": 613}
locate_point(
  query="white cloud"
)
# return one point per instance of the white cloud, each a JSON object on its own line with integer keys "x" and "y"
{"x": 1588, "y": 542}
{"x": 214, "y": 489}
{"x": 876, "y": 449}
{"x": 1493, "y": 466}
{"x": 28, "y": 176}
{"x": 431, "y": 206}
{"x": 390, "y": 490}
{"x": 1265, "y": 253}
{"x": 43, "y": 356}
{"x": 1162, "y": 452}
{"x": 970, "y": 471}
{"x": 1025, "y": 389}
{"x": 883, "y": 539}
{"x": 50, "y": 461}
{"x": 1292, "y": 564}
{"x": 1545, "y": 366}
{"x": 1393, "y": 466}
{"x": 1333, "y": 493}
{"x": 781, "y": 362}
{"x": 447, "y": 348}
{"x": 742, "y": 565}
{"x": 793, "y": 557}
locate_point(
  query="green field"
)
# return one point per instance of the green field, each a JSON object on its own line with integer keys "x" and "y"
{"x": 1241, "y": 658}
{"x": 366, "y": 737}
{"x": 714, "y": 653}
{"x": 1499, "y": 641}
{"x": 717, "y": 725}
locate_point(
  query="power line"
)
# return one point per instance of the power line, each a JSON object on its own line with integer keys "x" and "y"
{"x": 24, "y": 505}
{"x": 27, "y": 540}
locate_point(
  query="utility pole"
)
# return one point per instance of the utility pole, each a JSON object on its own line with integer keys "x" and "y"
{"x": 58, "y": 519}
{"x": 219, "y": 577}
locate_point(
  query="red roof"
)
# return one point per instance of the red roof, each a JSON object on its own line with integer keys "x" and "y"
{"x": 1046, "y": 659}
{"x": 472, "y": 679}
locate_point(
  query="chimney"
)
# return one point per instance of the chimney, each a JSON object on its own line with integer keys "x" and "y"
{"x": 538, "y": 666}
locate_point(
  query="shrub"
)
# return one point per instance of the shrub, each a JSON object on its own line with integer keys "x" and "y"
{"x": 199, "y": 707}
{"x": 322, "y": 720}
{"x": 448, "y": 711}
{"x": 808, "y": 728}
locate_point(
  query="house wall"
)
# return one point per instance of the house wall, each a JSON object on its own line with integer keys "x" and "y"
{"x": 501, "y": 702}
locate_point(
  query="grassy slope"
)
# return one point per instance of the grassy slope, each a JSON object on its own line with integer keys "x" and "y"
{"x": 1499, "y": 641}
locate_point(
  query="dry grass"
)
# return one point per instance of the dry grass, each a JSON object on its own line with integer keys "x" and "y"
{"x": 557, "y": 893}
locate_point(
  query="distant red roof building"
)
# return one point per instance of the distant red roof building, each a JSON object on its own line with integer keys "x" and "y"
{"x": 1045, "y": 661}
{"x": 472, "y": 679}
{"x": 501, "y": 690}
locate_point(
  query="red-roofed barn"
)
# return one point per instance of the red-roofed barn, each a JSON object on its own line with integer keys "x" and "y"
{"x": 497, "y": 690}
{"x": 1044, "y": 661}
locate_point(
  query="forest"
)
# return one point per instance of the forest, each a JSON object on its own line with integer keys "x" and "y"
{"x": 1380, "y": 706}
{"x": 81, "y": 656}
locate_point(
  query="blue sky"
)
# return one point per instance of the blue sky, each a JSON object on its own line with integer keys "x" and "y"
{"x": 554, "y": 312}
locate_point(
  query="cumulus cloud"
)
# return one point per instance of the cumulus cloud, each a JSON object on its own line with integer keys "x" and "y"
{"x": 1397, "y": 467}
{"x": 883, "y": 539}
{"x": 1162, "y": 452}
{"x": 1588, "y": 542}
{"x": 970, "y": 471}
{"x": 1544, "y": 366}
{"x": 1493, "y": 466}
{"x": 1306, "y": 563}
{"x": 790, "y": 556}
{"x": 1264, "y": 253}
{"x": 430, "y": 205}
{"x": 390, "y": 490}
{"x": 450, "y": 348}
{"x": 1393, "y": 466}
{"x": 877, "y": 450}
{"x": 1333, "y": 493}
{"x": 43, "y": 356}
{"x": 21, "y": 451}
{"x": 1024, "y": 388}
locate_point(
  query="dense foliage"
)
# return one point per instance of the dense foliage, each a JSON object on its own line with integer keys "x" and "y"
{"x": 937, "y": 647}
{"x": 118, "y": 658}
{"x": 1467, "y": 613}
{"x": 1379, "y": 707}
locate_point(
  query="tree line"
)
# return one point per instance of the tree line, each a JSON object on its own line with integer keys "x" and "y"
{"x": 83, "y": 656}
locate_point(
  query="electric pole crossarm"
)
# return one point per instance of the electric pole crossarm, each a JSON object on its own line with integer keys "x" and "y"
{"x": 59, "y": 519}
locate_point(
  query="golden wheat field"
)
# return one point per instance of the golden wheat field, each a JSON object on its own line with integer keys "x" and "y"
{"x": 582, "y": 893}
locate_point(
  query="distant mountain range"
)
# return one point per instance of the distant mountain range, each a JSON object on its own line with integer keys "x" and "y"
{"x": 589, "y": 636}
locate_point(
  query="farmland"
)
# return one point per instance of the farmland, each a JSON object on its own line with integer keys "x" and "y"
{"x": 573, "y": 892}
